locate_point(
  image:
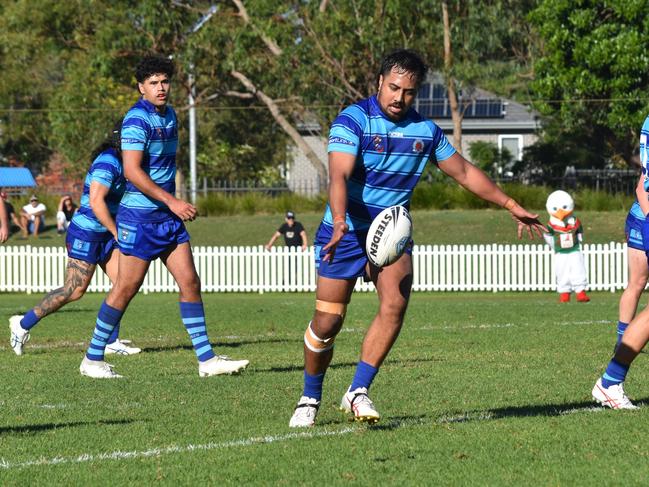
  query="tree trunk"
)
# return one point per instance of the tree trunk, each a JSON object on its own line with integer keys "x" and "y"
{"x": 285, "y": 124}
{"x": 456, "y": 115}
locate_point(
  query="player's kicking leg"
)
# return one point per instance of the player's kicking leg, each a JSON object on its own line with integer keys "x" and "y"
{"x": 180, "y": 263}
{"x": 332, "y": 297}
{"x": 393, "y": 285}
{"x": 77, "y": 278}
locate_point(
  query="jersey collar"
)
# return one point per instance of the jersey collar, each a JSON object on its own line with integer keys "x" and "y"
{"x": 148, "y": 106}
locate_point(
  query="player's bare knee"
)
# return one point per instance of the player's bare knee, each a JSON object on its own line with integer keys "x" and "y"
{"x": 76, "y": 293}
{"x": 190, "y": 291}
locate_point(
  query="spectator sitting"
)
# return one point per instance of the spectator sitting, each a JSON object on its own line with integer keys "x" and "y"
{"x": 11, "y": 212}
{"x": 64, "y": 214}
{"x": 33, "y": 216}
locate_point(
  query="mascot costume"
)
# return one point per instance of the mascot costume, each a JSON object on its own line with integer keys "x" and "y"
{"x": 564, "y": 235}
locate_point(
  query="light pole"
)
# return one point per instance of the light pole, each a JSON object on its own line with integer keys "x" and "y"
{"x": 192, "y": 109}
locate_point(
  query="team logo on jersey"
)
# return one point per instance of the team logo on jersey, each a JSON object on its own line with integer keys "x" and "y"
{"x": 418, "y": 146}
{"x": 378, "y": 141}
{"x": 159, "y": 130}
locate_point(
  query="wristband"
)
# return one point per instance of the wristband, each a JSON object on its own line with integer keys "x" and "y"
{"x": 509, "y": 204}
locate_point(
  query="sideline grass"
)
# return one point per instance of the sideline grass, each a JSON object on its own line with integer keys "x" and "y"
{"x": 480, "y": 389}
{"x": 430, "y": 227}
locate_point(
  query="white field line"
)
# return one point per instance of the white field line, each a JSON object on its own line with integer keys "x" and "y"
{"x": 253, "y": 441}
{"x": 170, "y": 450}
{"x": 215, "y": 340}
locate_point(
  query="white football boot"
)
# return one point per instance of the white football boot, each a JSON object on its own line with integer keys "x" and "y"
{"x": 120, "y": 347}
{"x": 612, "y": 397}
{"x": 360, "y": 404}
{"x": 220, "y": 364}
{"x": 19, "y": 336}
{"x": 97, "y": 369}
{"x": 305, "y": 413}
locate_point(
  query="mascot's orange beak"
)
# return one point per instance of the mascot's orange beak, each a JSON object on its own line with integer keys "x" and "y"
{"x": 561, "y": 213}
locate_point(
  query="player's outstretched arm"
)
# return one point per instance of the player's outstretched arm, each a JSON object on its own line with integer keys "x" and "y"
{"x": 132, "y": 160}
{"x": 341, "y": 166}
{"x": 476, "y": 181}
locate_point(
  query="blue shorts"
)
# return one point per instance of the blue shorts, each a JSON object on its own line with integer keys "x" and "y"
{"x": 93, "y": 252}
{"x": 148, "y": 241}
{"x": 633, "y": 231}
{"x": 349, "y": 260}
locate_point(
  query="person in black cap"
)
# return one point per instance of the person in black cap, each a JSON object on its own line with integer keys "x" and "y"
{"x": 293, "y": 231}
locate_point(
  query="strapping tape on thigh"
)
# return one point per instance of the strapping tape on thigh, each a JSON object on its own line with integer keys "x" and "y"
{"x": 316, "y": 344}
{"x": 332, "y": 308}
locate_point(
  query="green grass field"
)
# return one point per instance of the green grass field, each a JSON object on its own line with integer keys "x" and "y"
{"x": 430, "y": 227}
{"x": 480, "y": 389}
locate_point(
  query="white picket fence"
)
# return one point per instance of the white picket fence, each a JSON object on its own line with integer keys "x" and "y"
{"x": 254, "y": 269}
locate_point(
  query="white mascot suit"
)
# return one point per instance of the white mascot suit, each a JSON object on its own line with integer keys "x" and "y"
{"x": 564, "y": 235}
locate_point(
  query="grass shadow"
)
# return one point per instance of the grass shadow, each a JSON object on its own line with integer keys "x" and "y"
{"x": 219, "y": 345}
{"x": 39, "y": 428}
{"x": 540, "y": 410}
{"x": 342, "y": 365}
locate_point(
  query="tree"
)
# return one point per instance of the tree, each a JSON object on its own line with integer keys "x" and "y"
{"x": 591, "y": 75}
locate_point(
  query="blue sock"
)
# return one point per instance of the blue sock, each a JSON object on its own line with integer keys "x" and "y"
{"x": 29, "y": 321}
{"x": 114, "y": 335}
{"x": 107, "y": 319}
{"x": 364, "y": 375}
{"x": 313, "y": 385}
{"x": 193, "y": 318}
{"x": 615, "y": 373}
{"x": 620, "y": 330}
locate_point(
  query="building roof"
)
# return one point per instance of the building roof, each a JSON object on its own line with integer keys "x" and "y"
{"x": 16, "y": 177}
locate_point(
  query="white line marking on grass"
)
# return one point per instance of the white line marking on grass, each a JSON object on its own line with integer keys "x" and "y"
{"x": 154, "y": 452}
{"x": 253, "y": 441}
{"x": 591, "y": 409}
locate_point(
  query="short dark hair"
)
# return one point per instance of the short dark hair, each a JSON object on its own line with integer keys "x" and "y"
{"x": 404, "y": 60}
{"x": 150, "y": 65}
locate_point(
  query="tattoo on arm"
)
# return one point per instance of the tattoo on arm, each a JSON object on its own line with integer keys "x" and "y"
{"x": 77, "y": 279}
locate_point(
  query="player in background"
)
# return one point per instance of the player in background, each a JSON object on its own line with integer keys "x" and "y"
{"x": 378, "y": 148}
{"x": 150, "y": 223}
{"x": 91, "y": 241}
{"x": 631, "y": 337}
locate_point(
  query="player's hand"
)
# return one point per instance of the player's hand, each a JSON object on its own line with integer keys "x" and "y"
{"x": 4, "y": 233}
{"x": 340, "y": 229}
{"x": 183, "y": 210}
{"x": 527, "y": 221}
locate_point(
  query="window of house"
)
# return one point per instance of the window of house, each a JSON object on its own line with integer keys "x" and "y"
{"x": 513, "y": 143}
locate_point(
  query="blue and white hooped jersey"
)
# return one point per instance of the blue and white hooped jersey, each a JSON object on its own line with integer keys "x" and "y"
{"x": 107, "y": 170}
{"x": 390, "y": 158}
{"x": 156, "y": 135}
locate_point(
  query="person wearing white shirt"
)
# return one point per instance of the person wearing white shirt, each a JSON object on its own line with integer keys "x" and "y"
{"x": 33, "y": 216}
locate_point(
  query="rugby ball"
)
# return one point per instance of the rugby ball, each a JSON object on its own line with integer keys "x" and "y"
{"x": 388, "y": 236}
